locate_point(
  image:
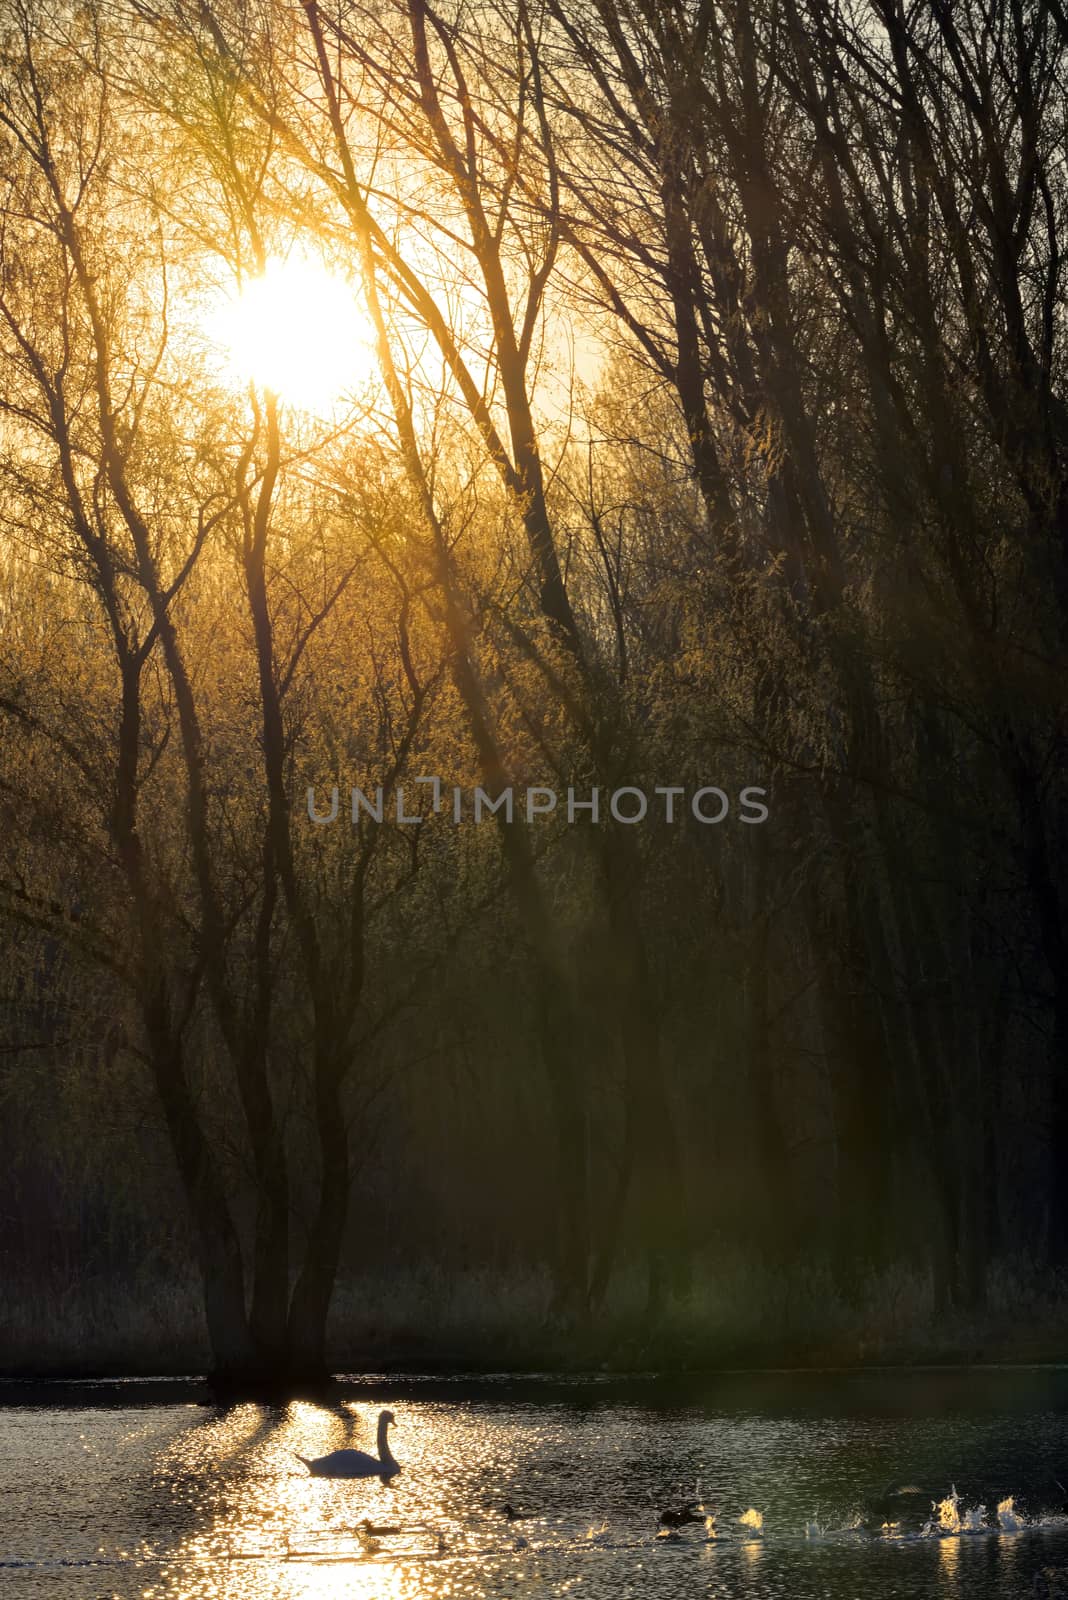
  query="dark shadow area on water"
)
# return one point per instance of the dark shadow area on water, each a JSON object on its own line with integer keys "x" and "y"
{"x": 914, "y": 1391}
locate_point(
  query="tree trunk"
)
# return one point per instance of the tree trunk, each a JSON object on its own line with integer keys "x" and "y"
{"x": 218, "y": 1247}
{"x": 776, "y": 1225}
{"x": 653, "y": 1170}
{"x": 314, "y": 1288}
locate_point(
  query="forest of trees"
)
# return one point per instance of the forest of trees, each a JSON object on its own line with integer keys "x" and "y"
{"x": 712, "y": 431}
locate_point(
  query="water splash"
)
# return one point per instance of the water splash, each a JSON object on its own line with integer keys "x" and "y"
{"x": 753, "y": 1520}
{"x": 945, "y": 1518}
{"x": 1009, "y": 1520}
{"x": 947, "y": 1512}
{"x": 853, "y": 1524}
{"x": 950, "y": 1516}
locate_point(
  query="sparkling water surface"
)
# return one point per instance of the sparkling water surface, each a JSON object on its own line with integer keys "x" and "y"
{"x": 134, "y": 1489}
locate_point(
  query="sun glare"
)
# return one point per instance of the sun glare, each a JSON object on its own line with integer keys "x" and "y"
{"x": 298, "y": 330}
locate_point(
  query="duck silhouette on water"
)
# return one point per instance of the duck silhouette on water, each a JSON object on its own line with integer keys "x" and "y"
{"x": 370, "y": 1530}
{"x": 682, "y": 1516}
{"x": 357, "y": 1463}
{"x": 902, "y": 1503}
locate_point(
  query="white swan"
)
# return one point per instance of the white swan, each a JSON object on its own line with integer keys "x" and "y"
{"x": 357, "y": 1463}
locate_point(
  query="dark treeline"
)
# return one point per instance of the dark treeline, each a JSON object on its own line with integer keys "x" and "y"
{"x": 714, "y": 433}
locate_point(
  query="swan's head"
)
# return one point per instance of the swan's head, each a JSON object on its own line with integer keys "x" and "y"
{"x": 387, "y": 1420}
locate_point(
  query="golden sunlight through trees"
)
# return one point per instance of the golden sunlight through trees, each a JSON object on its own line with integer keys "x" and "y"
{"x": 297, "y": 329}
{"x": 590, "y": 400}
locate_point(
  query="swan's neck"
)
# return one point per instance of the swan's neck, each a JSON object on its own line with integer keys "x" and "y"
{"x": 384, "y": 1452}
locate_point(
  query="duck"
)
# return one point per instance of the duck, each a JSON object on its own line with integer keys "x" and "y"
{"x": 510, "y": 1514}
{"x": 357, "y": 1463}
{"x": 369, "y": 1530}
{"x": 680, "y": 1516}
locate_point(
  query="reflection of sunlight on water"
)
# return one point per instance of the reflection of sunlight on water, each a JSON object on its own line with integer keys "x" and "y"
{"x": 217, "y": 1438}
{"x": 213, "y": 1505}
{"x": 353, "y": 1581}
{"x": 255, "y": 1515}
{"x": 1008, "y": 1560}
{"x": 949, "y": 1561}
{"x": 753, "y": 1552}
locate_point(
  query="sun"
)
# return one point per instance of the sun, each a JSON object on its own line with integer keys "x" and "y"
{"x": 297, "y": 329}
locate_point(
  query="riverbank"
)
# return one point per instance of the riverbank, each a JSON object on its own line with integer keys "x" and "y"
{"x": 422, "y": 1321}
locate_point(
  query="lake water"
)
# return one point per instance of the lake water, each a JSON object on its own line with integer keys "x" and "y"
{"x": 144, "y": 1489}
